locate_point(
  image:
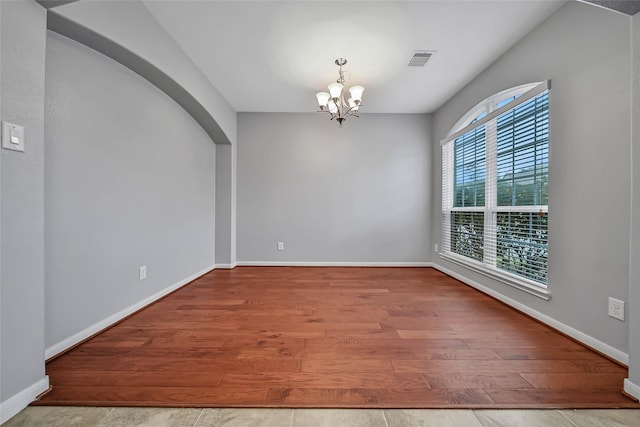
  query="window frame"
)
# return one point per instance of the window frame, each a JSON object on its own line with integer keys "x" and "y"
{"x": 468, "y": 122}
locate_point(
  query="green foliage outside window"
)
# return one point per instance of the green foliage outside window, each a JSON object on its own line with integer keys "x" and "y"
{"x": 467, "y": 234}
{"x": 521, "y": 245}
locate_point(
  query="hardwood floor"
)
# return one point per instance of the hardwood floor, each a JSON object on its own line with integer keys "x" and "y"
{"x": 333, "y": 337}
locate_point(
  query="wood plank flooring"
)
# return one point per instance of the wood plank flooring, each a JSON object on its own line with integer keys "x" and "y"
{"x": 333, "y": 337}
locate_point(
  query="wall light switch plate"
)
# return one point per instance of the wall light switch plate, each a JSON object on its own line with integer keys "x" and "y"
{"x": 12, "y": 137}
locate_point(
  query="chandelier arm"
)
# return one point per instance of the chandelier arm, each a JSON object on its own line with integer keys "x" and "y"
{"x": 345, "y": 107}
{"x": 351, "y": 111}
{"x": 339, "y": 107}
{"x": 332, "y": 115}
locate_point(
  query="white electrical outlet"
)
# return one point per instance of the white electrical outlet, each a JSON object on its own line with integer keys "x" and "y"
{"x": 435, "y": 247}
{"x": 616, "y": 308}
{"x": 281, "y": 246}
{"x": 143, "y": 272}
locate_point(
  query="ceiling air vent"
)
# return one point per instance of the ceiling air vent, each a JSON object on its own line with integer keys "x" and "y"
{"x": 419, "y": 58}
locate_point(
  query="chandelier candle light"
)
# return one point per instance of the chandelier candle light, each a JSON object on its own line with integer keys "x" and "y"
{"x": 333, "y": 102}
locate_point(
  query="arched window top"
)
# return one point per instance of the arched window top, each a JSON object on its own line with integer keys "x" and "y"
{"x": 490, "y": 104}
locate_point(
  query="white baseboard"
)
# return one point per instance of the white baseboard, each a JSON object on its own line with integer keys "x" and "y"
{"x": 566, "y": 329}
{"x": 21, "y": 400}
{"x": 105, "y": 323}
{"x": 226, "y": 266}
{"x": 331, "y": 264}
{"x": 631, "y": 388}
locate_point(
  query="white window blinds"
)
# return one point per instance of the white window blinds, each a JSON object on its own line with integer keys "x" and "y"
{"x": 495, "y": 186}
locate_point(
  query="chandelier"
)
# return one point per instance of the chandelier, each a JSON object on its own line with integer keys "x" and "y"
{"x": 333, "y": 102}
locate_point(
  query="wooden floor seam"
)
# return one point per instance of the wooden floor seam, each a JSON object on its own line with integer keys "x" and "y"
{"x": 333, "y": 337}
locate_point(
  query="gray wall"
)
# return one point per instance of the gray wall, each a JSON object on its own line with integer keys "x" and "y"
{"x": 634, "y": 272}
{"x": 360, "y": 193}
{"x": 225, "y": 205}
{"x": 22, "y": 200}
{"x": 585, "y": 51}
{"x": 130, "y": 25}
{"x": 130, "y": 180}
{"x": 128, "y": 33}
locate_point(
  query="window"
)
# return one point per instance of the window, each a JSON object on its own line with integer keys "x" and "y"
{"x": 495, "y": 167}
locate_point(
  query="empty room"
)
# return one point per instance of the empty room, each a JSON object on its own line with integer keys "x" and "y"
{"x": 309, "y": 213}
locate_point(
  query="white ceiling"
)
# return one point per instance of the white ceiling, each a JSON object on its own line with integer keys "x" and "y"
{"x": 273, "y": 56}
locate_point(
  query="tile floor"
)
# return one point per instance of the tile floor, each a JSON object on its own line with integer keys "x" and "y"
{"x": 62, "y": 416}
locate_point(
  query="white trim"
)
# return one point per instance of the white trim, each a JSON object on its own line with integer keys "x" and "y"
{"x": 631, "y": 388}
{"x": 114, "y": 318}
{"x": 531, "y": 93}
{"x": 21, "y": 400}
{"x": 467, "y": 209}
{"x": 332, "y": 264}
{"x": 585, "y": 339}
{"x": 226, "y": 266}
{"x": 488, "y": 104}
{"x": 527, "y": 208}
{"x": 602, "y": 7}
{"x": 521, "y": 283}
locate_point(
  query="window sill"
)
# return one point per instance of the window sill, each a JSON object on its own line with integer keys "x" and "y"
{"x": 508, "y": 279}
